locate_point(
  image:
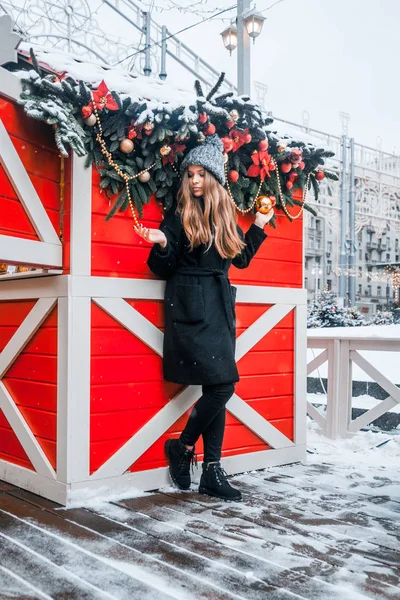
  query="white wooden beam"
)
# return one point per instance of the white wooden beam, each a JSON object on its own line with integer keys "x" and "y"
{"x": 81, "y": 216}
{"x": 73, "y": 390}
{"x": 10, "y": 84}
{"x": 300, "y": 375}
{"x": 25, "y": 190}
{"x": 260, "y": 328}
{"x": 317, "y": 362}
{"x": 148, "y": 434}
{"x": 15, "y": 250}
{"x": 136, "y": 323}
{"x": 24, "y": 332}
{"x": 25, "y": 436}
{"x": 256, "y": 423}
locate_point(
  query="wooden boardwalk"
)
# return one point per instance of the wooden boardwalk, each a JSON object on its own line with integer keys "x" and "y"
{"x": 313, "y": 531}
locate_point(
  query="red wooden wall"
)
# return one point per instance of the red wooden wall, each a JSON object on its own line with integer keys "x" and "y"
{"x": 32, "y": 378}
{"x": 35, "y": 145}
{"x": 127, "y": 388}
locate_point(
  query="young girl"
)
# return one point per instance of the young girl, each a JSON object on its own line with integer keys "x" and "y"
{"x": 197, "y": 242}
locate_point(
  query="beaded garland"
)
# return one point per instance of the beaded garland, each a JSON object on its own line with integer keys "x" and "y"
{"x": 124, "y": 176}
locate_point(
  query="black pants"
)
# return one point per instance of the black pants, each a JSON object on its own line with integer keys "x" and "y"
{"x": 208, "y": 419}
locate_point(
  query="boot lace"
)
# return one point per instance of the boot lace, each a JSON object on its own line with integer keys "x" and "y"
{"x": 221, "y": 475}
{"x": 189, "y": 458}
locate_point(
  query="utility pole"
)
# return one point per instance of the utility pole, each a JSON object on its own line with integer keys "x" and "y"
{"x": 243, "y": 47}
{"x": 146, "y": 27}
{"x": 352, "y": 227}
{"x": 343, "y": 222}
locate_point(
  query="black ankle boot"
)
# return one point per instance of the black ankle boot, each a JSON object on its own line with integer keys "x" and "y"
{"x": 214, "y": 482}
{"x": 179, "y": 459}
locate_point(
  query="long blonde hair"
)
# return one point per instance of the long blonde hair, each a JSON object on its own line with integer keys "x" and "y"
{"x": 218, "y": 221}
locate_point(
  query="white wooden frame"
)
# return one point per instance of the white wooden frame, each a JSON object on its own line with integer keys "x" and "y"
{"x": 74, "y": 294}
{"x": 341, "y": 352}
{"x": 46, "y": 252}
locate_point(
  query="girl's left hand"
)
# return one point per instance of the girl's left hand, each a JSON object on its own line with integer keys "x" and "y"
{"x": 262, "y": 220}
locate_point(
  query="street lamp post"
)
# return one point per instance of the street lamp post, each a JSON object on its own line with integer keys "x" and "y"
{"x": 243, "y": 57}
{"x": 248, "y": 25}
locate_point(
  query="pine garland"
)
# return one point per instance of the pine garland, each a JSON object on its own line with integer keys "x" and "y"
{"x": 162, "y": 134}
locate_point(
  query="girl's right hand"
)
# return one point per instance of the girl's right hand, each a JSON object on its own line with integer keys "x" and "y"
{"x": 153, "y": 236}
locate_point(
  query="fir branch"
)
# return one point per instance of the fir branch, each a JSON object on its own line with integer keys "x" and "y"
{"x": 216, "y": 87}
{"x": 35, "y": 63}
{"x": 198, "y": 88}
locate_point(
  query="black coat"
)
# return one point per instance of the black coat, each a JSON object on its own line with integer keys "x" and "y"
{"x": 199, "y": 337}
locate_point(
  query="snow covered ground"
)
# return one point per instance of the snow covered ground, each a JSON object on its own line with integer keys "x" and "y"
{"x": 326, "y": 528}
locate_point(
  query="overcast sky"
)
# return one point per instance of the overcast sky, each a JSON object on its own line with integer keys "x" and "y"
{"x": 320, "y": 56}
{"x": 323, "y": 56}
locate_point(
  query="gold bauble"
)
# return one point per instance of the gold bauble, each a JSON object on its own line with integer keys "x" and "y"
{"x": 201, "y": 137}
{"x": 126, "y": 146}
{"x": 144, "y": 177}
{"x": 90, "y": 120}
{"x": 226, "y": 158}
{"x": 165, "y": 150}
{"x": 265, "y": 203}
{"x": 234, "y": 114}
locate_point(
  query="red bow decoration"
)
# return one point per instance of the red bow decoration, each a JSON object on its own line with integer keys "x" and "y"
{"x": 171, "y": 156}
{"x": 239, "y": 138}
{"x": 102, "y": 97}
{"x": 262, "y": 165}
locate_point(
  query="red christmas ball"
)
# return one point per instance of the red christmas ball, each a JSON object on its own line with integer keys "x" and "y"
{"x": 319, "y": 175}
{"x": 209, "y": 130}
{"x": 230, "y": 124}
{"x": 286, "y": 167}
{"x": 289, "y": 185}
{"x": 247, "y": 139}
{"x": 302, "y": 164}
{"x": 203, "y": 118}
{"x": 233, "y": 176}
{"x": 263, "y": 145}
{"x": 293, "y": 176}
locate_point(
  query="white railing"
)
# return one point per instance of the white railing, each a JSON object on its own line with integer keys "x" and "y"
{"x": 341, "y": 348}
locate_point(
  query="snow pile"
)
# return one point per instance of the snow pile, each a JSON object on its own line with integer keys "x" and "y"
{"x": 364, "y": 448}
{"x": 135, "y": 86}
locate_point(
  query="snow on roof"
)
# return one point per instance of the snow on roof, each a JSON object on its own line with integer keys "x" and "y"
{"x": 118, "y": 79}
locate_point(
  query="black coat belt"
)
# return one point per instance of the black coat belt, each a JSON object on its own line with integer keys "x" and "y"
{"x": 222, "y": 277}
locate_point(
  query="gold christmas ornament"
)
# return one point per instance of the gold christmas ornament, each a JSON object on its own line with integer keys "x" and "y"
{"x": 265, "y": 203}
{"x": 165, "y": 150}
{"x": 144, "y": 177}
{"x": 226, "y": 158}
{"x": 90, "y": 121}
{"x": 201, "y": 137}
{"x": 126, "y": 146}
{"x": 234, "y": 114}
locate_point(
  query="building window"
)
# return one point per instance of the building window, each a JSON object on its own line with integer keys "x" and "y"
{"x": 318, "y": 244}
{"x": 329, "y": 247}
{"x": 318, "y": 225}
{"x": 311, "y": 242}
{"x": 396, "y": 244}
{"x": 329, "y": 284}
{"x": 387, "y": 257}
{"x": 328, "y": 267}
{"x": 379, "y": 291}
{"x": 306, "y": 264}
{"x": 306, "y": 282}
{"x": 360, "y": 289}
{"x": 369, "y": 290}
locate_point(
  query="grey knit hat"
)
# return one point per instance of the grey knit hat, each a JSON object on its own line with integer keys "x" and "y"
{"x": 207, "y": 154}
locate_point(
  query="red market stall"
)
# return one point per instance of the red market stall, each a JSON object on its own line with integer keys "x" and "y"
{"x": 83, "y": 405}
